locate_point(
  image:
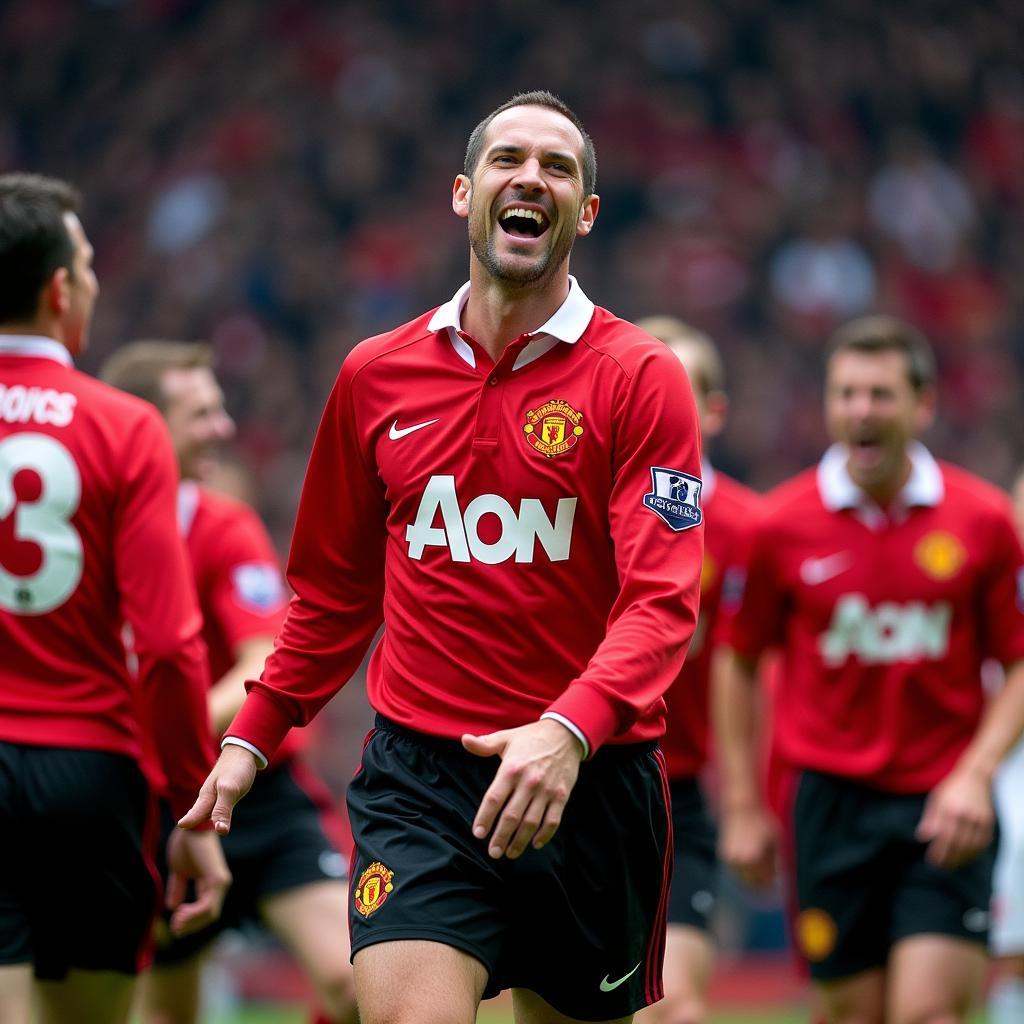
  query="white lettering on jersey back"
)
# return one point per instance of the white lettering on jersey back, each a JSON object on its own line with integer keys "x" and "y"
{"x": 885, "y": 634}
{"x": 460, "y": 533}
{"x": 20, "y": 404}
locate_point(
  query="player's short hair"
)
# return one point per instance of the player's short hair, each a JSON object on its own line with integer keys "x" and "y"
{"x": 708, "y": 376}
{"x": 34, "y": 240}
{"x": 882, "y": 333}
{"x": 139, "y": 366}
{"x": 537, "y": 98}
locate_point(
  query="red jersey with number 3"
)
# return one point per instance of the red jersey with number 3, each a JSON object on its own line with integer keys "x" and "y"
{"x": 730, "y": 509}
{"x": 884, "y": 618}
{"x": 88, "y": 540}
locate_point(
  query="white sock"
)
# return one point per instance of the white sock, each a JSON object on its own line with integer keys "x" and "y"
{"x": 1006, "y": 1001}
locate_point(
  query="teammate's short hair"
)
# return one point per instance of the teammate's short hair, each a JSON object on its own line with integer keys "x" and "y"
{"x": 882, "y": 333}
{"x": 34, "y": 240}
{"x": 536, "y": 98}
{"x": 708, "y": 375}
{"x": 139, "y": 366}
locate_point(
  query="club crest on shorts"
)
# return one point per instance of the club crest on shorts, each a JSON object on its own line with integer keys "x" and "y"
{"x": 940, "y": 554}
{"x": 675, "y": 496}
{"x": 816, "y": 934}
{"x": 553, "y": 428}
{"x": 374, "y": 886}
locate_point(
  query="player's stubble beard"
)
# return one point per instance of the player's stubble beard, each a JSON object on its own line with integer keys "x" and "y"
{"x": 511, "y": 273}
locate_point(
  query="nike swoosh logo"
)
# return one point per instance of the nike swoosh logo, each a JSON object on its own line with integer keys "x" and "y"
{"x": 611, "y": 986}
{"x": 819, "y": 570}
{"x": 394, "y": 433}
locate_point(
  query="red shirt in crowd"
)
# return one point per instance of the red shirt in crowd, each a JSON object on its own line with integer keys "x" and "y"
{"x": 523, "y": 530}
{"x": 88, "y": 540}
{"x": 884, "y": 618}
{"x": 730, "y": 509}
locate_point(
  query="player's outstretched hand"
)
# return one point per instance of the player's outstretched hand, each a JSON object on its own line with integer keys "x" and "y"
{"x": 958, "y": 819}
{"x": 748, "y": 843}
{"x": 539, "y": 766}
{"x": 230, "y": 780}
{"x": 199, "y": 857}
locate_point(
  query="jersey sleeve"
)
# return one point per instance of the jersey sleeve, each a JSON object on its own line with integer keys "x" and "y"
{"x": 248, "y": 597}
{"x": 656, "y": 529}
{"x": 158, "y": 600}
{"x": 1002, "y": 593}
{"x": 755, "y": 623}
{"x": 336, "y": 569}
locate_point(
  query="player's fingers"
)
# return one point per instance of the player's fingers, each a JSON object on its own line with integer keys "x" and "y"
{"x": 493, "y": 801}
{"x": 508, "y": 823}
{"x": 530, "y": 822}
{"x": 175, "y": 892}
{"x": 199, "y": 812}
{"x": 488, "y": 745}
{"x": 549, "y": 826}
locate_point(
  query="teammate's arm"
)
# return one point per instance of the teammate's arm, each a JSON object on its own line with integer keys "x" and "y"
{"x": 228, "y": 693}
{"x": 747, "y": 839}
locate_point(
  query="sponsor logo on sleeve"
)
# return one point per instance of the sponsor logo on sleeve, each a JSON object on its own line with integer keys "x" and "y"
{"x": 675, "y": 497}
{"x": 374, "y": 887}
{"x": 258, "y": 586}
{"x": 553, "y": 428}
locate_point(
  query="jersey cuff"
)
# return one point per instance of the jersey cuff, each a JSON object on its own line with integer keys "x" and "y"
{"x": 234, "y": 741}
{"x": 589, "y": 711}
{"x": 574, "y": 729}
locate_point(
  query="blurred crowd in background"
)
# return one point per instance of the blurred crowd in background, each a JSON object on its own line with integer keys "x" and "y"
{"x": 274, "y": 177}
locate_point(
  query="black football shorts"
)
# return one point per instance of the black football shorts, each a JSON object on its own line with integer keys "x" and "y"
{"x": 695, "y": 877}
{"x": 580, "y": 922}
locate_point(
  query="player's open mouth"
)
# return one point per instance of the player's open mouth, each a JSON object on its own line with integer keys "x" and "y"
{"x": 519, "y": 222}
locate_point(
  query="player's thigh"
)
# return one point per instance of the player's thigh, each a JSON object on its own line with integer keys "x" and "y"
{"x": 417, "y": 982}
{"x": 530, "y": 1008}
{"x": 934, "y": 977}
{"x": 15, "y": 993}
{"x": 171, "y": 993}
{"x": 86, "y": 997}
{"x": 312, "y": 921}
{"x": 857, "y": 999}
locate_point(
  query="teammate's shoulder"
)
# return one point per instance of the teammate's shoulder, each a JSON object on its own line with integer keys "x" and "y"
{"x": 731, "y": 491}
{"x": 625, "y": 343}
{"x": 223, "y": 507}
{"x": 798, "y": 494}
{"x": 963, "y": 487}
{"x": 105, "y": 400}
{"x": 388, "y": 344}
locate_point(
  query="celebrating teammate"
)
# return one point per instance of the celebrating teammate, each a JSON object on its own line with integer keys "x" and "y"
{"x": 494, "y": 480}
{"x": 87, "y": 540}
{"x": 886, "y": 577}
{"x": 730, "y": 508}
{"x": 283, "y": 849}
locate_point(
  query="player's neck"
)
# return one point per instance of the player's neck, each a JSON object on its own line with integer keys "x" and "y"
{"x": 38, "y": 328}
{"x": 496, "y": 314}
{"x": 884, "y": 492}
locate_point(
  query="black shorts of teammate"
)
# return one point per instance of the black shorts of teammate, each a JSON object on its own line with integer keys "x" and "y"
{"x": 695, "y": 877}
{"x": 78, "y": 889}
{"x": 863, "y": 882}
{"x": 284, "y": 835}
{"x": 580, "y": 922}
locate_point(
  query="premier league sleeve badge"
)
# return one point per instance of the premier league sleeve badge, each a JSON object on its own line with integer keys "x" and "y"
{"x": 675, "y": 497}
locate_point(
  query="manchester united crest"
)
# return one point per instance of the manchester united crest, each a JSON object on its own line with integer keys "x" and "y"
{"x": 553, "y": 428}
{"x": 816, "y": 933}
{"x": 940, "y": 554}
{"x": 373, "y": 889}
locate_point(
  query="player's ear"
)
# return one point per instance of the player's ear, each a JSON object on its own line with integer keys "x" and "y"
{"x": 924, "y": 415}
{"x": 55, "y": 295}
{"x": 588, "y": 214}
{"x": 461, "y": 193}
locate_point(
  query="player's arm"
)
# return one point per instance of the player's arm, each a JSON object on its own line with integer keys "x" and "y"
{"x": 228, "y": 693}
{"x": 747, "y": 834}
{"x": 650, "y": 624}
{"x": 158, "y": 600}
{"x": 336, "y": 570}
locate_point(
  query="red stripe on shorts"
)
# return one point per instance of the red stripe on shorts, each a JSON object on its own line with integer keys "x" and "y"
{"x": 653, "y": 985}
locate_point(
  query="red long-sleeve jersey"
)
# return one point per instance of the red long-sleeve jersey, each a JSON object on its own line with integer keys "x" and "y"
{"x": 529, "y": 532}
{"x": 88, "y": 540}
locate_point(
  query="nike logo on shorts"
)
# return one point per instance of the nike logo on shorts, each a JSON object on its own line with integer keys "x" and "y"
{"x": 394, "y": 433}
{"x": 611, "y": 986}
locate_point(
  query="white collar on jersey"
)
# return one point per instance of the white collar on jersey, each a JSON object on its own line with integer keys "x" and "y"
{"x": 567, "y": 324}
{"x": 838, "y": 491}
{"x": 188, "y": 504}
{"x": 34, "y": 345}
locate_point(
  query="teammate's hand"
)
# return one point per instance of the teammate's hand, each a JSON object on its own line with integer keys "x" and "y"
{"x": 958, "y": 819}
{"x": 199, "y": 857}
{"x": 230, "y": 780}
{"x": 539, "y": 766}
{"x": 748, "y": 843}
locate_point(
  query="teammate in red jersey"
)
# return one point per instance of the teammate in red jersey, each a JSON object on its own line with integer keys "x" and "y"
{"x": 87, "y": 540}
{"x": 886, "y": 577}
{"x": 283, "y": 850}
{"x": 730, "y": 508}
{"x": 512, "y": 484}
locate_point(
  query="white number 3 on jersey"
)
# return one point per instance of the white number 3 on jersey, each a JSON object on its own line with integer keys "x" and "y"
{"x": 44, "y": 520}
